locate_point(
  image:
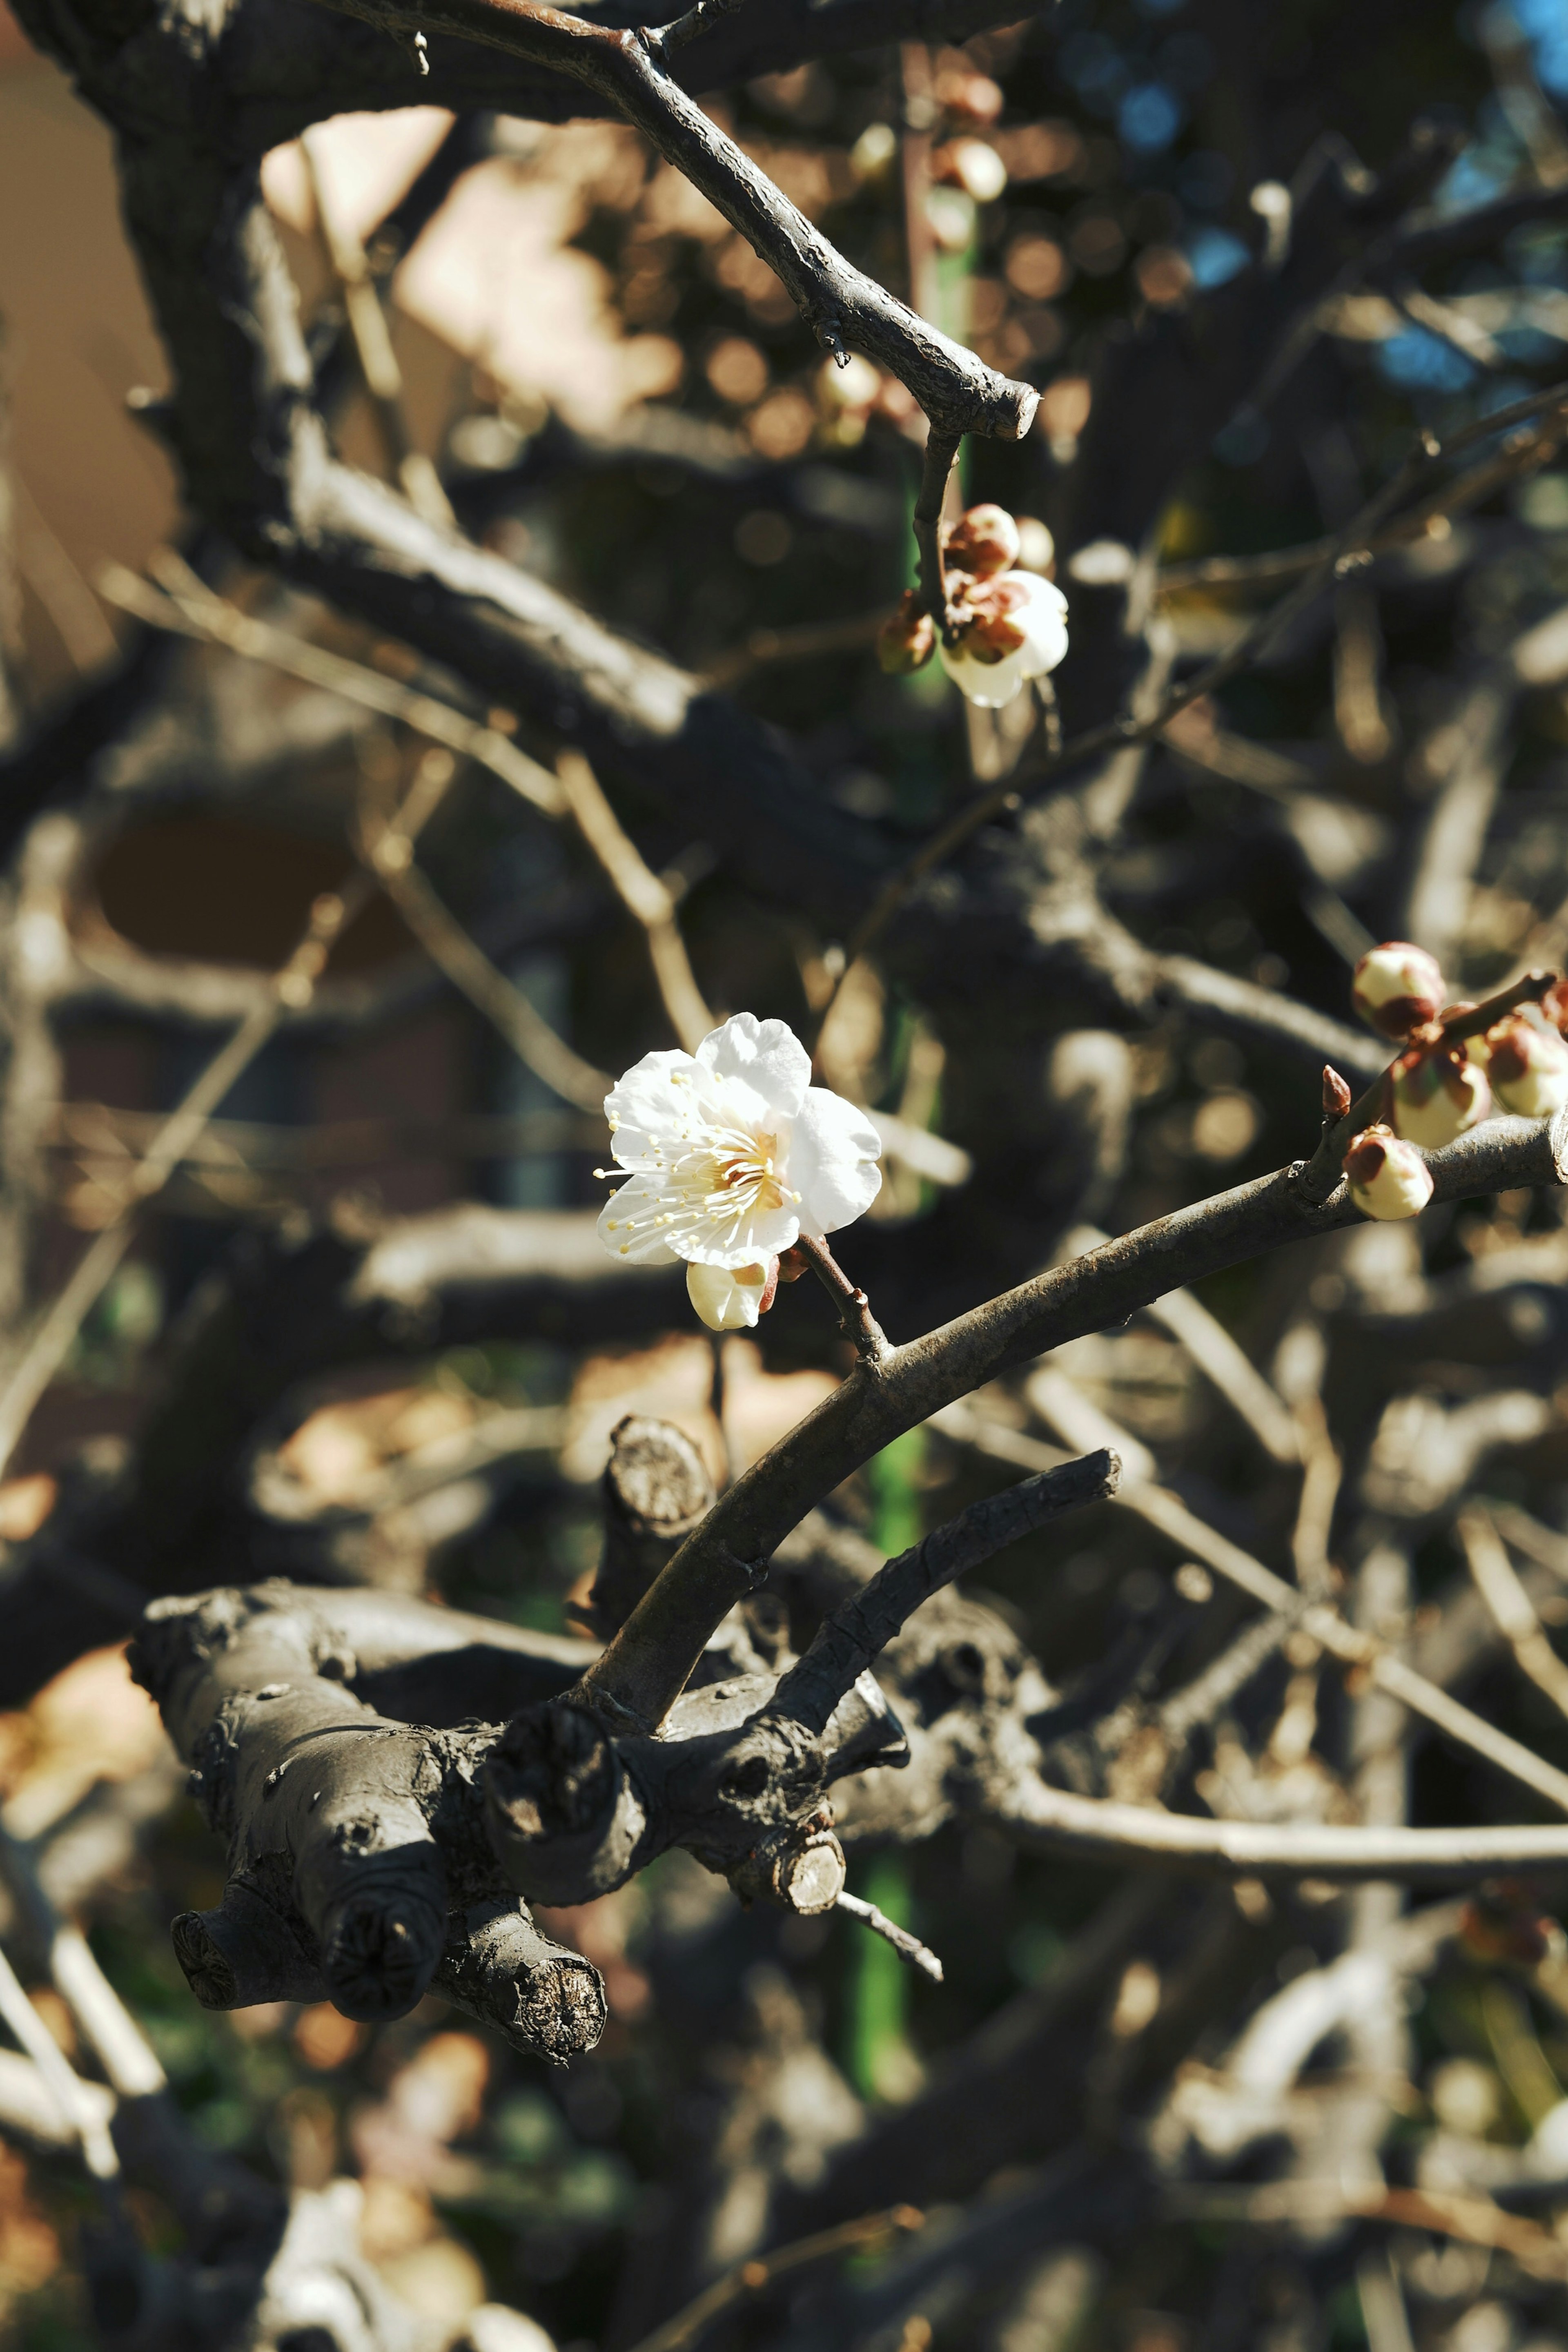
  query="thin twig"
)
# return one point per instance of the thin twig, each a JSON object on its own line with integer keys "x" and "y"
{"x": 870, "y": 2231}
{"x": 128, "y": 2058}
{"x": 1473, "y": 2220}
{"x": 811, "y": 640}
{"x": 468, "y": 968}
{"x": 935, "y": 469}
{"x": 183, "y": 612}
{"x": 1223, "y": 1362}
{"x": 643, "y": 896}
{"x": 861, "y": 1326}
{"x": 1512, "y": 1611}
{"x": 51, "y": 1340}
{"x": 908, "y": 1947}
{"x": 418, "y": 478}
{"x": 1194, "y": 1539}
{"x": 105, "y": 1135}
{"x": 291, "y": 987}
{"x": 84, "y": 2114}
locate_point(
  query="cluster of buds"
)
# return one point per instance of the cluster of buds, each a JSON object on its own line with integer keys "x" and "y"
{"x": 1004, "y": 625}
{"x": 1438, "y": 1087}
{"x": 1448, "y": 1075}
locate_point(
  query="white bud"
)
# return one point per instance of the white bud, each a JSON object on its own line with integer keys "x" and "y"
{"x": 1389, "y": 1178}
{"x": 1035, "y": 615}
{"x": 1528, "y": 1067}
{"x": 1438, "y": 1096}
{"x": 1397, "y": 986}
{"x": 731, "y": 1302}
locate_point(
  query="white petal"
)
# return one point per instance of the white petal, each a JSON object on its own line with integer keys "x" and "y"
{"x": 989, "y": 684}
{"x": 765, "y": 1056}
{"x": 650, "y": 1248}
{"x": 732, "y": 1243}
{"x": 1043, "y": 621}
{"x": 833, "y": 1154}
{"x": 725, "y": 1301}
{"x": 650, "y": 1103}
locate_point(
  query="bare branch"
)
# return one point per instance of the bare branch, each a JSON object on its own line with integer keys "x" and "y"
{"x": 1052, "y": 1820}
{"x": 647, "y": 1664}
{"x": 642, "y": 894}
{"x": 857, "y": 1632}
{"x": 188, "y": 607}
{"x": 1512, "y": 1611}
{"x": 845, "y": 309}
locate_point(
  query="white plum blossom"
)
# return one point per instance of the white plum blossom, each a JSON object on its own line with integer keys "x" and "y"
{"x": 1019, "y": 633}
{"x": 731, "y": 1156}
{"x": 1395, "y": 987}
{"x": 1388, "y": 1179}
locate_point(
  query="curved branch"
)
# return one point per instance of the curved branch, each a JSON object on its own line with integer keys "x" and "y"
{"x": 648, "y": 1662}
{"x": 1052, "y": 1820}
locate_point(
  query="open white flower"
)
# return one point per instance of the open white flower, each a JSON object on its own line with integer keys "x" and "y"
{"x": 1019, "y": 633}
{"x": 732, "y": 1155}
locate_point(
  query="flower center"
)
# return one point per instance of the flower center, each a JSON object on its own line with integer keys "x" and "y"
{"x": 707, "y": 1183}
{"x": 750, "y": 1171}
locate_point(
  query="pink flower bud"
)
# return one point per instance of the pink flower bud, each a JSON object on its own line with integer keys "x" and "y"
{"x": 1528, "y": 1067}
{"x": 1336, "y": 1094}
{"x": 1438, "y": 1093}
{"x": 908, "y": 640}
{"x": 984, "y": 541}
{"x": 1388, "y": 1179}
{"x": 1397, "y": 987}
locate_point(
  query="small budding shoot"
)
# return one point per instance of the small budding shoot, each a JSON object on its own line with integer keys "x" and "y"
{"x": 731, "y": 1156}
{"x": 1388, "y": 1179}
{"x": 1336, "y": 1093}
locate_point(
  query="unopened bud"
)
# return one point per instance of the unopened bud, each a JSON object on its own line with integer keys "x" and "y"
{"x": 732, "y": 1301}
{"x": 1528, "y": 1067}
{"x": 972, "y": 164}
{"x": 1336, "y": 1094}
{"x": 1439, "y": 1094}
{"x": 1388, "y": 1179}
{"x": 984, "y": 541}
{"x": 1554, "y": 1004}
{"x": 907, "y": 641}
{"x": 990, "y": 611}
{"x": 1395, "y": 987}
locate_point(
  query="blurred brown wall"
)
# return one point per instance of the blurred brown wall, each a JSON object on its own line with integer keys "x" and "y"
{"x": 80, "y": 333}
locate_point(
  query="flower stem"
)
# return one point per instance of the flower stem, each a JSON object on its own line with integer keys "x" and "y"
{"x": 861, "y": 1326}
